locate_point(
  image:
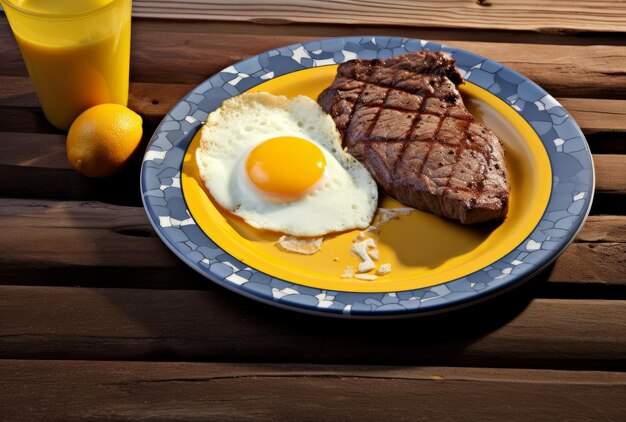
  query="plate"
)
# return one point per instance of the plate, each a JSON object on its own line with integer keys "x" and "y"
{"x": 437, "y": 265}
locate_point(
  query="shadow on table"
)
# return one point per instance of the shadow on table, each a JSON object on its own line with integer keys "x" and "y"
{"x": 218, "y": 325}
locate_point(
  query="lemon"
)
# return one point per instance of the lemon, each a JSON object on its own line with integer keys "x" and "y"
{"x": 102, "y": 139}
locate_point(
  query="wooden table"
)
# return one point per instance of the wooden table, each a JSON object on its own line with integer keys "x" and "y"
{"x": 99, "y": 320}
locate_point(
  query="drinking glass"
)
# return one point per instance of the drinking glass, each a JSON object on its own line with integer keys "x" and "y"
{"x": 77, "y": 52}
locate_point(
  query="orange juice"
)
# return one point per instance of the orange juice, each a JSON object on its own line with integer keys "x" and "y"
{"x": 77, "y": 52}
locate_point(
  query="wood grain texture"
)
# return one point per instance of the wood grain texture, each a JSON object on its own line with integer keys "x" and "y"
{"x": 94, "y": 244}
{"x": 552, "y": 348}
{"x": 545, "y": 16}
{"x": 597, "y": 115}
{"x": 560, "y": 69}
{"x": 99, "y": 390}
{"x": 597, "y": 262}
{"x": 99, "y": 244}
{"x": 608, "y": 170}
{"x": 598, "y": 254}
{"x": 513, "y": 330}
{"x": 204, "y": 29}
{"x": 610, "y": 175}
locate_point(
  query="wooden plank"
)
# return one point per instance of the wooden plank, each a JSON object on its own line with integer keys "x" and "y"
{"x": 590, "y": 263}
{"x": 203, "y": 28}
{"x": 48, "y": 182}
{"x": 598, "y": 255}
{"x": 603, "y": 228}
{"x": 512, "y": 330}
{"x": 543, "y": 16}
{"x": 597, "y": 115}
{"x": 33, "y": 150}
{"x": 610, "y": 175}
{"x": 610, "y": 184}
{"x": 108, "y": 245}
{"x": 17, "y": 91}
{"x": 109, "y": 237}
{"x": 72, "y": 390}
{"x": 157, "y": 56}
{"x": 95, "y": 243}
{"x": 14, "y": 119}
{"x": 557, "y": 68}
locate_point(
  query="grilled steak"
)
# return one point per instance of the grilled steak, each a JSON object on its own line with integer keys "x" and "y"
{"x": 404, "y": 119}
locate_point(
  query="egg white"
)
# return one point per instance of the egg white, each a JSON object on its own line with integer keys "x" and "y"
{"x": 344, "y": 198}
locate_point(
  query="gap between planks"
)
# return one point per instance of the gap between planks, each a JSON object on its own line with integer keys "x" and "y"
{"x": 67, "y": 390}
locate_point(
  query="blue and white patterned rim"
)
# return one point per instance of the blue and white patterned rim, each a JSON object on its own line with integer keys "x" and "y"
{"x": 567, "y": 149}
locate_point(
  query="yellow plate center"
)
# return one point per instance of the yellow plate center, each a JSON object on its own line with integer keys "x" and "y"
{"x": 423, "y": 250}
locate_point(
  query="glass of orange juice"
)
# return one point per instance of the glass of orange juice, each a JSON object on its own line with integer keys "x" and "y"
{"x": 77, "y": 52}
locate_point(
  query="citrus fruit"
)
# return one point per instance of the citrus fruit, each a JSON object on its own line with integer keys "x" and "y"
{"x": 102, "y": 139}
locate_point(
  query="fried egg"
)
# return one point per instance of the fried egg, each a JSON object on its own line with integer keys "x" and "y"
{"x": 278, "y": 164}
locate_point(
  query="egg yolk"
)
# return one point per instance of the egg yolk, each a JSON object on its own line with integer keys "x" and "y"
{"x": 285, "y": 167}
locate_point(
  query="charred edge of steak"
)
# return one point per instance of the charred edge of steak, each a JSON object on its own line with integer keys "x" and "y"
{"x": 421, "y": 62}
{"x": 404, "y": 119}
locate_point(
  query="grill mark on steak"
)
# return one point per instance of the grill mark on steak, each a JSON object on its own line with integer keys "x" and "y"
{"x": 419, "y": 119}
{"x": 414, "y": 123}
{"x": 458, "y": 152}
{"x": 377, "y": 115}
{"x": 357, "y": 102}
{"x": 372, "y": 101}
